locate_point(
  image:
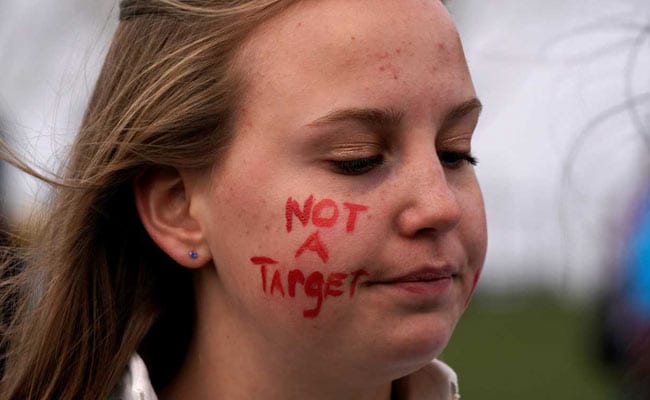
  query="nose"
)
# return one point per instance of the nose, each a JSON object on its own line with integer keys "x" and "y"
{"x": 429, "y": 203}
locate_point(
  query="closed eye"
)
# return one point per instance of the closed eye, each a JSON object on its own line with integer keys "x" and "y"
{"x": 357, "y": 166}
{"x": 454, "y": 160}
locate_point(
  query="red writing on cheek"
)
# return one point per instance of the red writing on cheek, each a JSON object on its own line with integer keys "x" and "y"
{"x": 352, "y": 216}
{"x": 313, "y": 243}
{"x": 334, "y": 280}
{"x": 263, "y": 262}
{"x": 325, "y": 222}
{"x": 295, "y": 276}
{"x": 293, "y": 208}
{"x": 355, "y": 280}
{"x": 313, "y": 286}
{"x": 324, "y": 214}
{"x": 277, "y": 283}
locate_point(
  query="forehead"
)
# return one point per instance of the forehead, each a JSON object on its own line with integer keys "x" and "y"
{"x": 379, "y": 47}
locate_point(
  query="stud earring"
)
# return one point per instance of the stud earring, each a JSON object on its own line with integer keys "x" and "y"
{"x": 193, "y": 255}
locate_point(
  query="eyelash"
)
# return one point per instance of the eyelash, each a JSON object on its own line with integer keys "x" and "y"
{"x": 359, "y": 166}
{"x": 454, "y": 159}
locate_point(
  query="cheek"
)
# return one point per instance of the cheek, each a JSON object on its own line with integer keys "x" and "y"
{"x": 242, "y": 213}
{"x": 474, "y": 234}
{"x": 240, "y": 222}
{"x": 473, "y": 227}
{"x": 479, "y": 227}
{"x": 294, "y": 252}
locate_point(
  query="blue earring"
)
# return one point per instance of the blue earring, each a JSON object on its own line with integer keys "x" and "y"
{"x": 193, "y": 255}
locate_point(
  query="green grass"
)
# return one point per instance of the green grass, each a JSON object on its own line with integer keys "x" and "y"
{"x": 527, "y": 348}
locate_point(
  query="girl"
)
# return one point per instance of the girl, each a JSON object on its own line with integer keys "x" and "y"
{"x": 267, "y": 199}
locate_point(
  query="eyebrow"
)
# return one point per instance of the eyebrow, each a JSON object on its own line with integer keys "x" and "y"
{"x": 461, "y": 110}
{"x": 378, "y": 118}
{"x": 389, "y": 118}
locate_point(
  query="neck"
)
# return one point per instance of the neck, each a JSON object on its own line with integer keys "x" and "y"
{"x": 229, "y": 359}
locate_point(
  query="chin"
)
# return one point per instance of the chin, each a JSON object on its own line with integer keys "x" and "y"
{"x": 414, "y": 344}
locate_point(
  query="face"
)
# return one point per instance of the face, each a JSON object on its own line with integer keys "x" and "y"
{"x": 345, "y": 222}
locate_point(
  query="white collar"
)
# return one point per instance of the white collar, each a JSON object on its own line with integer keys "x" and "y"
{"x": 436, "y": 381}
{"x": 135, "y": 384}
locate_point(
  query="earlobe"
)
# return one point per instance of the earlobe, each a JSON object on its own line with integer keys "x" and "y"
{"x": 163, "y": 205}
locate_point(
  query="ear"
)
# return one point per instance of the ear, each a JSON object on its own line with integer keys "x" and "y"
{"x": 164, "y": 208}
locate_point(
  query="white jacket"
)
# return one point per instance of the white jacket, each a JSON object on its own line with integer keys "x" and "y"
{"x": 436, "y": 381}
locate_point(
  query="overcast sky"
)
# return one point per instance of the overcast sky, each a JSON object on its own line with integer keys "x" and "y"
{"x": 560, "y": 155}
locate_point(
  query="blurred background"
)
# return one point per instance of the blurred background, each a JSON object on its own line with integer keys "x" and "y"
{"x": 564, "y": 146}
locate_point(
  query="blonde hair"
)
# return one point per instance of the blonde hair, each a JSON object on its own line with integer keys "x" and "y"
{"x": 95, "y": 288}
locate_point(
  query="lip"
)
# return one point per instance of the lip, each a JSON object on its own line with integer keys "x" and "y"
{"x": 426, "y": 281}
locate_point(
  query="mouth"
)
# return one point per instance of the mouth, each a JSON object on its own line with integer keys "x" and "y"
{"x": 427, "y": 281}
{"x": 426, "y": 274}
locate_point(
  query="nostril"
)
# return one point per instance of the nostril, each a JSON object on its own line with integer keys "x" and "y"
{"x": 426, "y": 232}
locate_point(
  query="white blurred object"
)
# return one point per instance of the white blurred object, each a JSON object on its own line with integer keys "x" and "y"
{"x": 560, "y": 154}
{"x": 51, "y": 52}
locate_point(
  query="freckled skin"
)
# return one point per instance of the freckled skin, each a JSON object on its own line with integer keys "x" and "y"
{"x": 317, "y": 57}
{"x": 393, "y": 70}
